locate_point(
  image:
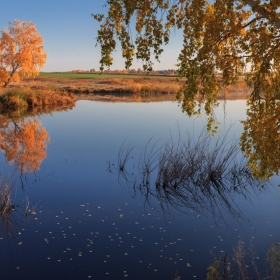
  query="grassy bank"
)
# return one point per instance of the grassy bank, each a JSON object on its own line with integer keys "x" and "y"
{"x": 102, "y": 76}
{"x": 116, "y": 85}
{"x": 25, "y": 97}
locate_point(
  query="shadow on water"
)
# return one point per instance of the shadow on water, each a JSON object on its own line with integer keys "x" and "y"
{"x": 205, "y": 175}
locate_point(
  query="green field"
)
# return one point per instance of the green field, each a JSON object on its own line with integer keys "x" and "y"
{"x": 98, "y": 76}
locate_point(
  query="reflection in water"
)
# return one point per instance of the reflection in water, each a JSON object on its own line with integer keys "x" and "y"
{"x": 21, "y": 112}
{"x": 204, "y": 176}
{"x": 236, "y": 268}
{"x": 24, "y": 143}
{"x": 260, "y": 140}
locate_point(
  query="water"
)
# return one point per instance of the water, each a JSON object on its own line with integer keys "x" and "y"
{"x": 87, "y": 225}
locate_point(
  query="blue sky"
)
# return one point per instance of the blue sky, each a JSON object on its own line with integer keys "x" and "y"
{"x": 69, "y": 33}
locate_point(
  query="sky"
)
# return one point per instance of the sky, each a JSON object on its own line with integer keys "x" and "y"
{"x": 69, "y": 33}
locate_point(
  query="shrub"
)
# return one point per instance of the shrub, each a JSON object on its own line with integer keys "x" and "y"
{"x": 30, "y": 98}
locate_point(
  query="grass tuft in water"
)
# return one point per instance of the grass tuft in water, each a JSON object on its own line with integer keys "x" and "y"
{"x": 6, "y": 204}
{"x": 203, "y": 175}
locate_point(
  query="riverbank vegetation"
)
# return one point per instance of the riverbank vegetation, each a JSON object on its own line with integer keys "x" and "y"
{"x": 93, "y": 85}
{"x": 25, "y": 97}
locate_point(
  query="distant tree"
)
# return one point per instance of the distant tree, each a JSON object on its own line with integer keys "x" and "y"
{"x": 132, "y": 71}
{"x": 21, "y": 52}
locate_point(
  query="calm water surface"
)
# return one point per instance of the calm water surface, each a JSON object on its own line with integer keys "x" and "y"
{"x": 87, "y": 225}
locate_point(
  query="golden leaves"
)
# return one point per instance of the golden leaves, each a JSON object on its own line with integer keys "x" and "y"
{"x": 260, "y": 140}
{"x": 21, "y": 52}
{"x": 219, "y": 39}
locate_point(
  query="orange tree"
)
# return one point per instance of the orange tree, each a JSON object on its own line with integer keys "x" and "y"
{"x": 21, "y": 52}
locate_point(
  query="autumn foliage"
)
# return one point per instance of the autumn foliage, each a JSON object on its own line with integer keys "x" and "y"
{"x": 219, "y": 39}
{"x": 260, "y": 141}
{"x": 21, "y": 52}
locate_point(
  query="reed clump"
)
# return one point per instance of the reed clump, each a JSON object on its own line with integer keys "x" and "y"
{"x": 6, "y": 204}
{"x": 235, "y": 267}
{"x": 201, "y": 175}
{"x": 17, "y": 98}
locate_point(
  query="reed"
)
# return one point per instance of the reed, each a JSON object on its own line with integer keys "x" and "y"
{"x": 202, "y": 175}
{"x": 235, "y": 267}
{"x": 6, "y": 204}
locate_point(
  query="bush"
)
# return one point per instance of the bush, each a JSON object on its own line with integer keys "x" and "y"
{"x": 13, "y": 99}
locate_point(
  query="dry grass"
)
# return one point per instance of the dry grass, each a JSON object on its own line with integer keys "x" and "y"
{"x": 121, "y": 85}
{"x": 6, "y": 205}
{"x": 16, "y": 98}
{"x": 5, "y": 198}
{"x": 116, "y": 87}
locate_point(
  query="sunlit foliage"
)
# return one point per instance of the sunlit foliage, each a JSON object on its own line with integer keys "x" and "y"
{"x": 260, "y": 140}
{"x": 219, "y": 37}
{"x": 24, "y": 143}
{"x": 21, "y": 52}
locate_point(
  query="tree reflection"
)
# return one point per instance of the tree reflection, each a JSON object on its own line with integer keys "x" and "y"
{"x": 260, "y": 140}
{"x": 24, "y": 143}
{"x": 204, "y": 176}
{"x": 22, "y": 112}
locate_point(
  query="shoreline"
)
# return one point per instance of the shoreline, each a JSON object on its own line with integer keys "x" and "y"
{"x": 120, "y": 89}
